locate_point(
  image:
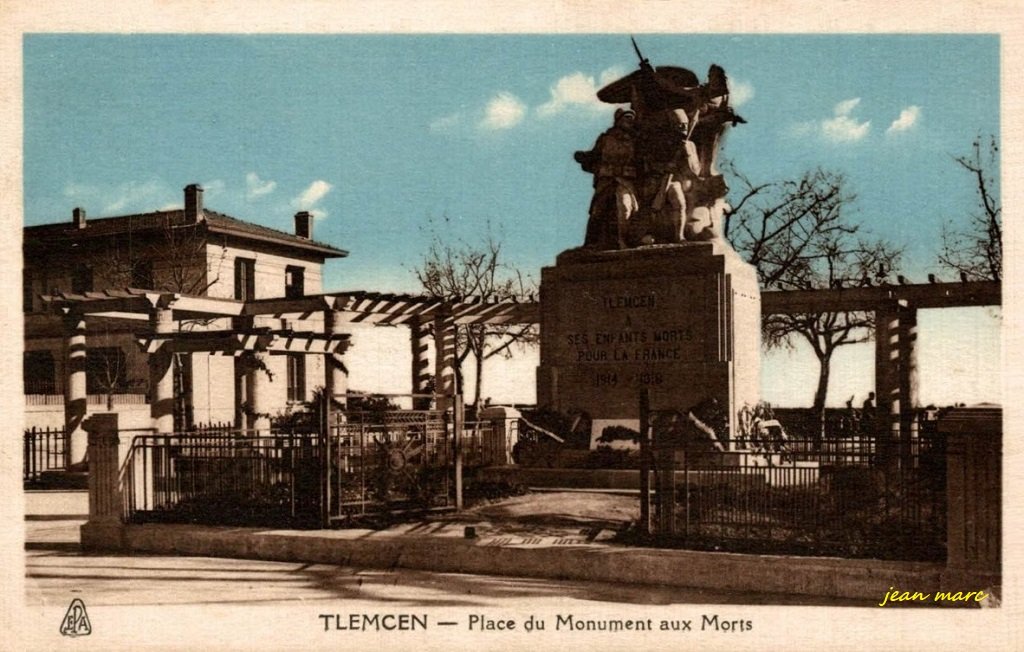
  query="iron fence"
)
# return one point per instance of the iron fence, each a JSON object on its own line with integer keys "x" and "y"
{"x": 486, "y": 443}
{"x": 852, "y": 497}
{"x": 44, "y": 449}
{"x": 389, "y": 462}
{"x": 224, "y": 477}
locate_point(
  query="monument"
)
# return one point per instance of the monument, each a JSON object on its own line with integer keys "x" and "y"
{"x": 655, "y": 298}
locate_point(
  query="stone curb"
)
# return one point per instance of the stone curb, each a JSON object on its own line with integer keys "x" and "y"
{"x": 813, "y": 576}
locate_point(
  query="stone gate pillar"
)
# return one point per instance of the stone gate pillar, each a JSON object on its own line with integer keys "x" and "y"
{"x": 974, "y": 440}
{"x": 105, "y": 527}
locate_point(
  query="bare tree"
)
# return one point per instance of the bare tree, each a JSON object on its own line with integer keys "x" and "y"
{"x": 173, "y": 260}
{"x": 799, "y": 237}
{"x": 975, "y": 249}
{"x": 458, "y": 271}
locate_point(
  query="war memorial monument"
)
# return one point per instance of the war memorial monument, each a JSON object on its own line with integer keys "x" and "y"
{"x": 655, "y": 298}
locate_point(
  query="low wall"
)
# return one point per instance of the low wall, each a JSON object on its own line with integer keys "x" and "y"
{"x": 132, "y": 416}
{"x": 818, "y": 576}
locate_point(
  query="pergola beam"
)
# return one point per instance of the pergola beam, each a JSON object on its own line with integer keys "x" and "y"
{"x": 921, "y": 296}
{"x": 231, "y": 342}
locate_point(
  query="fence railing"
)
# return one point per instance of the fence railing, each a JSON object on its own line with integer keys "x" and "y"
{"x": 91, "y": 399}
{"x": 43, "y": 450}
{"x": 226, "y": 478}
{"x": 218, "y": 474}
{"x": 485, "y": 443}
{"x": 832, "y": 497}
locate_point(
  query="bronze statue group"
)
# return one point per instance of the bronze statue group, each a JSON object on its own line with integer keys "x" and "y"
{"x": 655, "y": 174}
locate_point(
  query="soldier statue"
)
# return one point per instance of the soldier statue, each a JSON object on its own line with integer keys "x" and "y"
{"x": 655, "y": 171}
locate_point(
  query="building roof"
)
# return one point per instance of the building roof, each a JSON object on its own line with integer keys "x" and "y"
{"x": 215, "y": 223}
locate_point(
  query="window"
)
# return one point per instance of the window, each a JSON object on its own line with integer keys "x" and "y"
{"x": 294, "y": 282}
{"x": 245, "y": 279}
{"x": 142, "y": 275}
{"x": 296, "y": 378}
{"x": 38, "y": 370}
{"x": 106, "y": 370}
{"x": 81, "y": 279}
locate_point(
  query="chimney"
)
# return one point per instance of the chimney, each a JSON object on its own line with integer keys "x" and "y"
{"x": 304, "y": 225}
{"x": 193, "y": 203}
{"x": 78, "y": 218}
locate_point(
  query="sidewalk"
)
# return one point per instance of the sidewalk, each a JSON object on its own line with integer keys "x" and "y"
{"x": 555, "y": 536}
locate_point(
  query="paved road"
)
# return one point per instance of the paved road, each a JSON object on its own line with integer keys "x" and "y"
{"x": 57, "y": 571}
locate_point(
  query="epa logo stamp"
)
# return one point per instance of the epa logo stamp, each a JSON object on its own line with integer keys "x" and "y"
{"x": 76, "y": 620}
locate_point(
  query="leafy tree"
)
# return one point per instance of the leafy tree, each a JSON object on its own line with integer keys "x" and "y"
{"x": 464, "y": 270}
{"x": 975, "y": 249}
{"x": 799, "y": 236}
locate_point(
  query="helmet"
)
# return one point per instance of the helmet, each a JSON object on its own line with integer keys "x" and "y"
{"x": 624, "y": 112}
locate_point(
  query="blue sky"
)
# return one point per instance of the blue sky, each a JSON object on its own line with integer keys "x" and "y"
{"x": 381, "y": 134}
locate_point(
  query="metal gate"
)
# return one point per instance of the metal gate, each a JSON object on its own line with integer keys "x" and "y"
{"x": 391, "y": 461}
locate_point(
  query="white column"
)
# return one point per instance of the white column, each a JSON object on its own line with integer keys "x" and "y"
{"x": 161, "y": 376}
{"x": 335, "y": 371}
{"x": 75, "y": 390}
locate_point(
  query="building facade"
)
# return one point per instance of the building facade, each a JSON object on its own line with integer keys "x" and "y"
{"x": 192, "y": 252}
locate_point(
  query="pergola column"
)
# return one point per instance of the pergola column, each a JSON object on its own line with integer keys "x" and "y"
{"x": 335, "y": 371}
{"x": 75, "y": 388}
{"x": 908, "y": 380}
{"x": 161, "y": 375}
{"x": 419, "y": 339}
{"x": 887, "y": 391}
{"x": 258, "y": 419}
{"x": 444, "y": 360}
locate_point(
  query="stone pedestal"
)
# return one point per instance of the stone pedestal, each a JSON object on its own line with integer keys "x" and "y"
{"x": 974, "y": 456}
{"x": 681, "y": 320}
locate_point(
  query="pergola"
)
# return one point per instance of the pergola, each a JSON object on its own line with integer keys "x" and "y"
{"x": 158, "y": 312}
{"x": 895, "y": 308}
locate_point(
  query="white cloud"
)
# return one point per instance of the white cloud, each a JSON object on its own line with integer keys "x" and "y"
{"x": 908, "y": 118}
{"x": 446, "y": 124}
{"x": 256, "y": 187}
{"x": 133, "y": 195}
{"x": 740, "y": 92}
{"x": 577, "y": 91}
{"x": 843, "y": 128}
{"x": 213, "y": 188}
{"x": 846, "y": 106}
{"x": 608, "y": 75}
{"x": 504, "y": 111}
{"x": 311, "y": 195}
{"x": 79, "y": 190}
